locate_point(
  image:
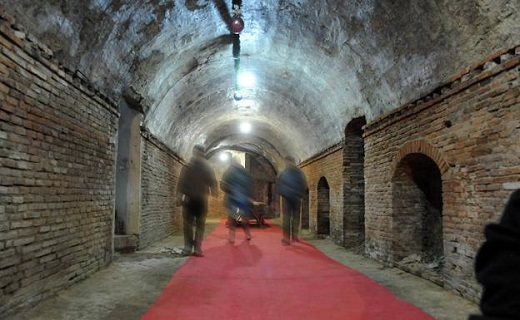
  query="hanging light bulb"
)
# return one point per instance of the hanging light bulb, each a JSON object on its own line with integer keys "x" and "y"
{"x": 237, "y": 23}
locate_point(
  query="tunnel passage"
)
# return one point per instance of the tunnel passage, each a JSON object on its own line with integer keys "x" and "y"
{"x": 417, "y": 201}
{"x": 323, "y": 207}
{"x": 316, "y": 66}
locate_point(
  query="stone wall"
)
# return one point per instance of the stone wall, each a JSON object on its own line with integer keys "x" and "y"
{"x": 160, "y": 215}
{"x": 470, "y": 129}
{"x": 328, "y": 165}
{"x": 57, "y": 165}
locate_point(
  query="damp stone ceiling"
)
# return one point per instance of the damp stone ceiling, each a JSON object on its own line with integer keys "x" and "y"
{"x": 316, "y": 64}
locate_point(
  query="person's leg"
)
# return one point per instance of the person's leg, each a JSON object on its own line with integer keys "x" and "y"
{"x": 200, "y": 224}
{"x": 295, "y": 228}
{"x": 247, "y": 228}
{"x": 187, "y": 228}
{"x": 232, "y": 223}
{"x": 244, "y": 210}
{"x": 286, "y": 222}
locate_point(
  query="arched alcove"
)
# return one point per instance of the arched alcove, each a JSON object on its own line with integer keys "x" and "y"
{"x": 323, "y": 207}
{"x": 417, "y": 214}
{"x": 305, "y": 210}
{"x": 354, "y": 184}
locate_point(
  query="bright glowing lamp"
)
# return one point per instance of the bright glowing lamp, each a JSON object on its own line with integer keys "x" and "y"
{"x": 245, "y": 127}
{"x": 246, "y": 79}
{"x": 224, "y": 156}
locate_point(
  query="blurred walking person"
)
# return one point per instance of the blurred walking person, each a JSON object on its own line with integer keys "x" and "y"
{"x": 291, "y": 185}
{"x": 497, "y": 265}
{"x": 196, "y": 180}
{"x": 238, "y": 186}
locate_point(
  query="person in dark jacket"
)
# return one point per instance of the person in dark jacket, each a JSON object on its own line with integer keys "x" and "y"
{"x": 196, "y": 180}
{"x": 497, "y": 265}
{"x": 291, "y": 185}
{"x": 238, "y": 186}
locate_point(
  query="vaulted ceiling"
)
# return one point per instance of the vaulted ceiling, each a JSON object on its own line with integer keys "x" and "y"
{"x": 318, "y": 64}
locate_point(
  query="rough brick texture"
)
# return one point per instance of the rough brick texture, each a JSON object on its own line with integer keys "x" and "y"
{"x": 470, "y": 130}
{"x": 160, "y": 216}
{"x": 436, "y": 171}
{"x": 57, "y": 165}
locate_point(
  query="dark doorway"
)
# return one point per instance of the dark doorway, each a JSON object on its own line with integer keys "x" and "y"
{"x": 354, "y": 184}
{"x": 417, "y": 202}
{"x": 323, "y": 207}
{"x": 305, "y": 210}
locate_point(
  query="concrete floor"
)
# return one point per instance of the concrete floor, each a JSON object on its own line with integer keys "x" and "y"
{"x": 127, "y": 288}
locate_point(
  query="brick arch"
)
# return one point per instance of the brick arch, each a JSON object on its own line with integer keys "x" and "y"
{"x": 417, "y": 205}
{"x": 424, "y": 147}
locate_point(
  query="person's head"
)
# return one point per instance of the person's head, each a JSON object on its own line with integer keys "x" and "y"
{"x": 235, "y": 161}
{"x": 289, "y": 161}
{"x": 198, "y": 151}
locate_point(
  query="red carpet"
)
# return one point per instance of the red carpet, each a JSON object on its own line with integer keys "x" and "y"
{"x": 265, "y": 280}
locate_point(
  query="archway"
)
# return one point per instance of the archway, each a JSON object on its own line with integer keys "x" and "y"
{"x": 354, "y": 184}
{"x": 305, "y": 210}
{"x": 323, "y": 207}
{"x": 417, "y": 207}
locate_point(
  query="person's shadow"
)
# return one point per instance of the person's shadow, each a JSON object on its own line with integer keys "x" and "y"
{"x": 241, "y": 257}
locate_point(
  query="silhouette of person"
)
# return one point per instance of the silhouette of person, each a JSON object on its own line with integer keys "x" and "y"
{"x": 195, "y": 181}
{"x": 497, "y": 265}
{"x": 238, "y": 186}
{"x": 291, "y": 185}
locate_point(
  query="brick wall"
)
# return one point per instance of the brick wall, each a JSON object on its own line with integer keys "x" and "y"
{"x": 328, "y": 165}
{"x": 57, "y": 165}
{"x": 160, "y": 216}
{"x": 470, "y": 129}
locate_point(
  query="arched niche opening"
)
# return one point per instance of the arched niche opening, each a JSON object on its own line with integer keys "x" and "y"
{"x": 417, "y": 216}
{"x": 305, "y": 210}
{"x": 323, "y": 207}
{"x": 354, "y": 184}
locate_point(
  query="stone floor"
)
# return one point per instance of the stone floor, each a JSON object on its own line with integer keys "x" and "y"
{"x": 126, "y": 288}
